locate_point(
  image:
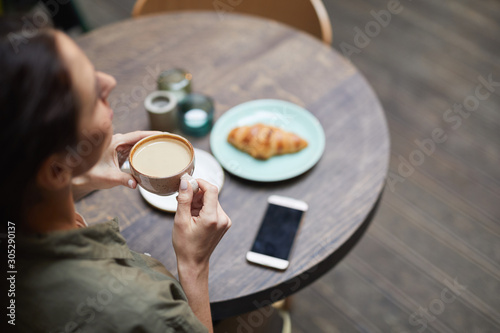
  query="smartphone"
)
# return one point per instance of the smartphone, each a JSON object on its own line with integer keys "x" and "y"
{"x": 276, "y": 234}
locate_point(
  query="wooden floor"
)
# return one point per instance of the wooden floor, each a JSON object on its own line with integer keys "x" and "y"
{"x": 430, "y": 261}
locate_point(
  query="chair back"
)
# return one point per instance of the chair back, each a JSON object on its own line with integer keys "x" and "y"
{"x": 306, "y": 15}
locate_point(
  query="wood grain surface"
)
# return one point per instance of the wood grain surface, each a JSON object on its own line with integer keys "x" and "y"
{"x": 234, "y": 60}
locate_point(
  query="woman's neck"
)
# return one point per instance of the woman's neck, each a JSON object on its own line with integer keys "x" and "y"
{"x": 56, "y": 211}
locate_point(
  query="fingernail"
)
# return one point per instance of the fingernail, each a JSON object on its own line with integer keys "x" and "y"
{"x": 184, "y": 185}
{"x": 130, "y": 183}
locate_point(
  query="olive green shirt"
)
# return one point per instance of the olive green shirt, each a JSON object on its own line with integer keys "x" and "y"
{"x": 88, "y": 280}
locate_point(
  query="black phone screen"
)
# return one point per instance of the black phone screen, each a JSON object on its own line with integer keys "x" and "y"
{"x": 277, "y": 231}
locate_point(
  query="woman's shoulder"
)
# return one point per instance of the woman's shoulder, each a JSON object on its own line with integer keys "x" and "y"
{"x": 91, "y": 292}
{"x": 114, "y": 278}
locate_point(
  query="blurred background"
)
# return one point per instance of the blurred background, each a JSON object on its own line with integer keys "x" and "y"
{"x": 430, "y": 261}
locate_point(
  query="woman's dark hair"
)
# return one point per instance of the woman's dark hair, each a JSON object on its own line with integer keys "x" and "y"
{"x": 38, "y": 110}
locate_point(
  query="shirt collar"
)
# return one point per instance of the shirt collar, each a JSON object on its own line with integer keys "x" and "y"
{"x": 100, "y": 241}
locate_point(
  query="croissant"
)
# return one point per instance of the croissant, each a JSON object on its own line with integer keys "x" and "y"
{"x": 264, "y": 141}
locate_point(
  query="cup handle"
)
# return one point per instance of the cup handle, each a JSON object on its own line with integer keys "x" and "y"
{"x": 192, "y": 181}
{"x": 126, "y": 167}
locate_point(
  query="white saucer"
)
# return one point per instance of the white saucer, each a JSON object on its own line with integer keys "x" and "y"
{"x": 205, "y": 167}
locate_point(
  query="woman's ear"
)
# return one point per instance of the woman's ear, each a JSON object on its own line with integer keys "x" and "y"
{"x": 54, "y": 174}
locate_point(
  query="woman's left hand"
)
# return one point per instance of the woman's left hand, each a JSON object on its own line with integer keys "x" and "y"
{"x": 107, "y": 173}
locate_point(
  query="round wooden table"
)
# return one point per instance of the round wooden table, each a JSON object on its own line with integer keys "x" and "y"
{"x": 234, "y": 59}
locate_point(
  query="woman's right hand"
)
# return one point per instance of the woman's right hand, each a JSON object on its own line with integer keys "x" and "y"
{"x": 199, "y": 225}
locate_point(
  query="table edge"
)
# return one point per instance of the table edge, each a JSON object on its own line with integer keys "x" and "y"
{"x": 247, "y": 303}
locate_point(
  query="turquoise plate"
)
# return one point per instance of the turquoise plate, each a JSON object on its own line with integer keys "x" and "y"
{"x": 286, "y": 115}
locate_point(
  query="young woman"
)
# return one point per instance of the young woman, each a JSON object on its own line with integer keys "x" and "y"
{"x": 58, "y": 145}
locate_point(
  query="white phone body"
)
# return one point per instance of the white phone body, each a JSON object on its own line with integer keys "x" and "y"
{"x": 298, "y": 207}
